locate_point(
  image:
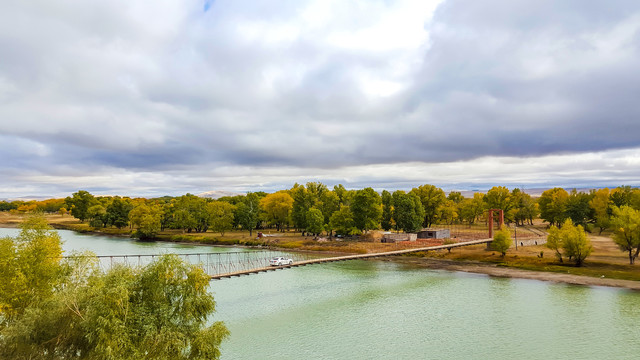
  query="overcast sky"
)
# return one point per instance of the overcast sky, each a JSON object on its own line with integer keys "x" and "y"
{"x": 167, "y": 97}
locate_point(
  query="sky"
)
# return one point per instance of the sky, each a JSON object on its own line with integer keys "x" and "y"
{"x": 152, "y": 98}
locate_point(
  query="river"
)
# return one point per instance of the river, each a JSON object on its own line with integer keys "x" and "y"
{"x": 385, "y": 310}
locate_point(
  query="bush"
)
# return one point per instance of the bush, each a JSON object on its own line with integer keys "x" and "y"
{"x": 502, "y": 241}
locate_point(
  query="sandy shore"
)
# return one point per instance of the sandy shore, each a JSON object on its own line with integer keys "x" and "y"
{"x": 493, "y": 270}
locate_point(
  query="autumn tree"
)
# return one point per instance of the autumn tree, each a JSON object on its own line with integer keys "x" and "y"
{"x": 277, "y": 208}
{"x": 575, "y": 243}
{"x": 601, "y": 206}
{"x": 30, "y": 268}
{"x": 502, "y": 241}
{"x": 448, "y": 212}
{"x": 621, "y": 196}
{"x": 146, "y": 219}
{"x": 572, "y": 240}
{"x": 471, "y": 209}
{"x": 626, "y": 230}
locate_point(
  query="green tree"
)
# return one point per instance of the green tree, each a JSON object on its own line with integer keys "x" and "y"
{"x": 431, "y": 198}
{"x": 366, "y": 207}
{"x": 302, "y": 202}
{"x": 524, "y": 207}
{"x": 553, "y": 204}
{"x": 97, "y": 216}
{"x": 408, "y": 212}
{"x": 221, "y": 215}
{"x": 387, "y": 210}
{"x": 502, "y": 241}
{"x": 248, "y": 211}
{"x": 621, "y": 196}
{"x": 626, "y": 230}
{"x": 342, "y": 221}
{"x": 577, "y": 207}
{"x": 343, "y": 194}
{"x": 190, "y": 213}
{"x": 79, "y": 204}
{"x": 328, "y": 204}
{"x": 117, "y": 212}
{"x": 315, "y": 221}
{"x": 499, "y": 197}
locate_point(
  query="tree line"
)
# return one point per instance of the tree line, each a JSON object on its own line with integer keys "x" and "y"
{"x": 315, "y": 208}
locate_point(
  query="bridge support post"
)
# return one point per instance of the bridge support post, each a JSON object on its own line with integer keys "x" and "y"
{"x": 500, "y": 223}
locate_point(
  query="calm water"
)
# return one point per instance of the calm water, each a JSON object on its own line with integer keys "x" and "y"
{"x": 383, "y": 310}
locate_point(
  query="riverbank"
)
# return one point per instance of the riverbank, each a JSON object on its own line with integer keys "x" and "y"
{"x": 507, "y": 272}
{"x": 607, "y": 266}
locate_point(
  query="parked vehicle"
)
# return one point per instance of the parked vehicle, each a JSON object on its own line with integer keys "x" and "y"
{"x": 279, "y": 261}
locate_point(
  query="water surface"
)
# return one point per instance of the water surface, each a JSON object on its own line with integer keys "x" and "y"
{"x": 383, "y": 310}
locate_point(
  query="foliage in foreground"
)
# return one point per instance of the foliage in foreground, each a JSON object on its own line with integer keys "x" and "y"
{"x": 156, "y": 312}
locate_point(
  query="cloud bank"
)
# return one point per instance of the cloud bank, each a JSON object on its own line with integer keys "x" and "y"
{"x": 154, "y": 98}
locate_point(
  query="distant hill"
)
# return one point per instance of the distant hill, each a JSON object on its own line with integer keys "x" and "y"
{"x": 216, "y": 194}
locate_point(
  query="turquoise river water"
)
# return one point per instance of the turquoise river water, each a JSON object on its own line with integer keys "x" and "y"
{"x": 383, "y": 310}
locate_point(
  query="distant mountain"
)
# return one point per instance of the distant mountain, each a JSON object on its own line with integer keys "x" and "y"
{"x": 29, "y": 198}
{"x": 216, "y": 194}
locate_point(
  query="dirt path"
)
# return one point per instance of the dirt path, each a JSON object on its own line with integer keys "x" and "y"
{"x": 493, "y": 270}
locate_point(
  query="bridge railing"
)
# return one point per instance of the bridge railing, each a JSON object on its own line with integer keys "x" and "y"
{"x": 212, "y": 263}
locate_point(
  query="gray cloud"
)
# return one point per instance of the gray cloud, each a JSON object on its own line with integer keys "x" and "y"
{"x": 127, "y": 88}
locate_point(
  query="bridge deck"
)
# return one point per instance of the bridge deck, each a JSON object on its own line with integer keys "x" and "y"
{"x": 348, "y": 257}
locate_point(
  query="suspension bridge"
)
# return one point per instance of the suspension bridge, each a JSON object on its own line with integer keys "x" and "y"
{"x": 223, "y": 265}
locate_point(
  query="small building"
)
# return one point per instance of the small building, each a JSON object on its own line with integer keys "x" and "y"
{"x": 391, "y": 238}
{"x": 434, "y": 234}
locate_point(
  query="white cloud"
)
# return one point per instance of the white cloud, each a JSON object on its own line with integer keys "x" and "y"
{"x": 153, "y": 95}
